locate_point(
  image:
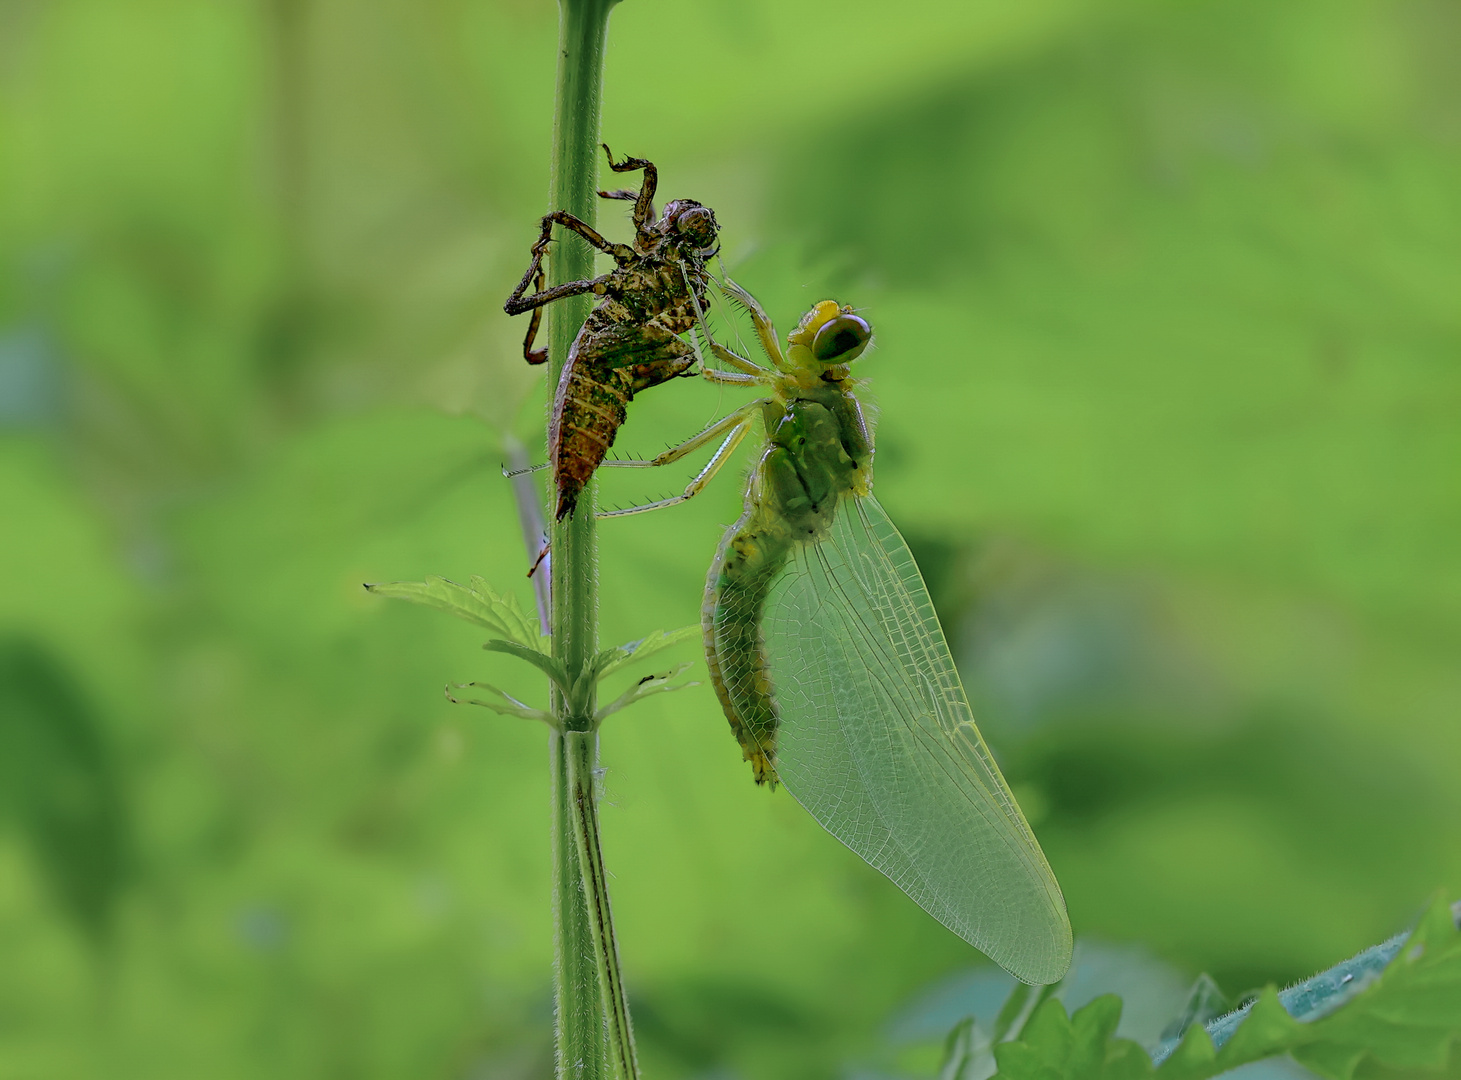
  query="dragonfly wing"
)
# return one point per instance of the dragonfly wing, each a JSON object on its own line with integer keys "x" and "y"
{"x": 877, "y": 742}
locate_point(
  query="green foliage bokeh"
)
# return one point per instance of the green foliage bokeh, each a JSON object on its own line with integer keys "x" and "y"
{"x": 1166, "y": 303}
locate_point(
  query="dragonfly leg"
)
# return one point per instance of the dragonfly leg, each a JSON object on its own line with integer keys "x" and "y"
{"x": 755, "y": 372}
{"x": 713, "y": 466}
{"x": 739, "y": 363}
{"x": 644, "y": 201}
{"x": 727, "y": 423}
{"x": 764, "y": 329}
{"x": 731, "y": 378}
{"x": 525, "y": 469}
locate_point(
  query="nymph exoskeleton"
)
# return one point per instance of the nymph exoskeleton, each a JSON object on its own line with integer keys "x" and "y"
{"x": 631, "y": 340}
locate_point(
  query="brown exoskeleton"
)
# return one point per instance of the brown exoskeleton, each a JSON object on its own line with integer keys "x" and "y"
{"x": 631, "y": 339}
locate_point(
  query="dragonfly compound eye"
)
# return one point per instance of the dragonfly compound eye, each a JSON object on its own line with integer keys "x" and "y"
{"x": 841, "y": 339}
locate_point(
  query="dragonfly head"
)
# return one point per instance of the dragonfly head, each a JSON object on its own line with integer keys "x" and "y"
{"x": 693, "y": 225}
{"x": 829, "y": 336}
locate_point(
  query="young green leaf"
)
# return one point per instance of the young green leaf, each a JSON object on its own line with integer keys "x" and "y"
{"x": 650, "y": 684}
{"x": 478, "y": 603}
{"x": 611, "y": 660}
{"x": 549, "y": 666}
{"x": 509, "y": 706}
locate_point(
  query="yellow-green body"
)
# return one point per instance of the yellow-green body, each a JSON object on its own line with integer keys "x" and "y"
{"x": 831, "y": 666}
{"x": 818, "y": 452}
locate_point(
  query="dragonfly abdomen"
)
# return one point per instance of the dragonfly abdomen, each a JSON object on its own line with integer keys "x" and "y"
{"x": 792, "y": 499}
{"x": 749, "y": 559}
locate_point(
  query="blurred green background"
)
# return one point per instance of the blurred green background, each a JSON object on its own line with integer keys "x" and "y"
{"x": 1168, "y": 337}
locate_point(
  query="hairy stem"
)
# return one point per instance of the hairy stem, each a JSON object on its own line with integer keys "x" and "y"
{"x": 581, "y": 748}
{"x": 587, "y": 984}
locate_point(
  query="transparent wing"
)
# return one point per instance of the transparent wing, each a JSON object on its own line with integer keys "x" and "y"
{"x": 877, "y": 742}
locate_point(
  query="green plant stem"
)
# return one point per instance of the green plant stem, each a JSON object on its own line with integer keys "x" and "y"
{"x": 579, "y": 1037}
{"x": 582, "y": 749}
{"x": 587, "y": 984}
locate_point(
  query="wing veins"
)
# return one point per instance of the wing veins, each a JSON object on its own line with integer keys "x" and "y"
{"x": 899, "y": 675}
{"x": 933, "y": 661}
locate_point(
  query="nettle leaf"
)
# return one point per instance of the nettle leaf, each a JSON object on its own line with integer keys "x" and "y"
{"x": 1054, "y": 1044}
{"x": 477, "y": 603}
{"x": 611, "y": 660}
{"x": 650, "y": 684}
{"x": 508, "y": 706}
{"x": 539, "y": 659}
{"x": 1398, "y": 1004}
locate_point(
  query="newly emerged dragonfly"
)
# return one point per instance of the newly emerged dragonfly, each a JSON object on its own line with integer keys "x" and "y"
{"x": 631, "y": 340}
{"x": 832, "y": 668}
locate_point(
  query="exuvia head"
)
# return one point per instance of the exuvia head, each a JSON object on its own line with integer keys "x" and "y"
{"x": 830, "y": 335}
{"x": 693, "y": 224}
